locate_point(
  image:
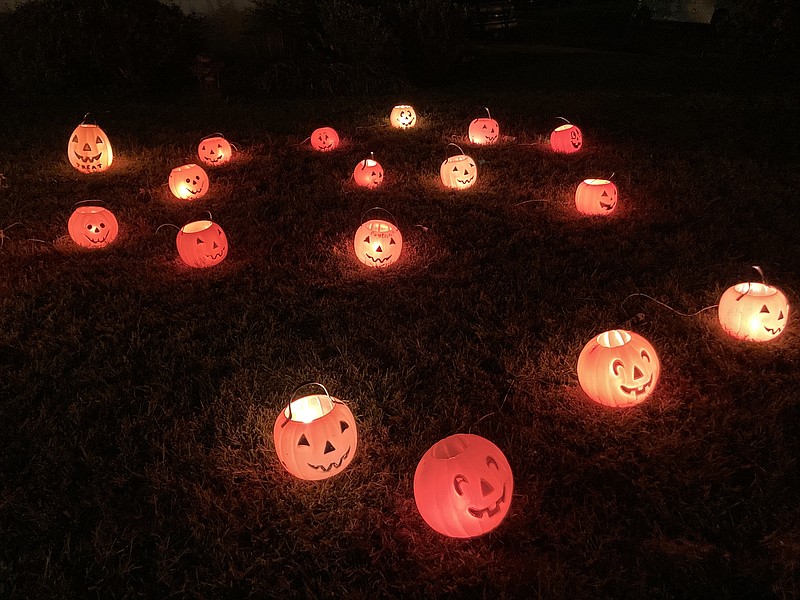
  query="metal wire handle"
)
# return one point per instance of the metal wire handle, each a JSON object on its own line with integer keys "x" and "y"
{"x": 384, "y": 210}
{"x": 291, "y": 398}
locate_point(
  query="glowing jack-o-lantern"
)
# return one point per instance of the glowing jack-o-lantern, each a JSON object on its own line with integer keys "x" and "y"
{"x": 368, "y": 173}
{"x": 324, "y": 139}
{"x": 188, "y": 182}
{"x": 596, "y": 197}
{"x": 378, "y": 243}
{"x": 618, "y": 368}
{"x": 89, "y": 149}
{"x": 459, "y": 172}
{"x": 753, "y": 311}
{"x": 315, "y": 436}
{"x": 202, "y": 244}
{"x": 566, "y": 138}
{"x": 463, "y": 486}
{"x": 484, "y": 131}
{"x": 214, "y": 151}
{"x": 92, "y": 226}
{"x": 403, "y": 116}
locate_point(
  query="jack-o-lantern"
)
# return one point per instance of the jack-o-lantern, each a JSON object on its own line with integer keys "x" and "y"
{"x": 403, "y": 116}
{"x": 202, "y": 244}
{"x": 315, "y": 436}
{"x": 324, "y": 139}
{"x": 463, "y": 486}
{"x": 92, "y": 226}
{"x": 484, "y": 131}
{"x": 566, "y": 138}
{"x": 368, "y": 173}
{"x": 459, "y": 172}
{"x": 596, "y": 197}
{"x": 753, "y": 311}
{"x": 89, "y": 149}
{"x": 618, "y": 368}
{"x": 214, "y": 151}
{"x": 378, "y": 243}
{"x": 188, "y": 182}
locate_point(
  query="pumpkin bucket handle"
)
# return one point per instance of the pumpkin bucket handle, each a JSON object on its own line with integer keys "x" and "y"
{"x": 564, "y": 119}
{"x": 457, "y": 146}
{"x": 292, "y": 397}
{"x": 760, "y": 272}
{"x": 378, "y": 208}
{"x": 87, "y": 201}
{"x": 210, "y": 135}
{"x": 486, "y": 108}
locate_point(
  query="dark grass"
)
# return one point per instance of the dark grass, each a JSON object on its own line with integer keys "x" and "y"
{"x": 139, "y": 395}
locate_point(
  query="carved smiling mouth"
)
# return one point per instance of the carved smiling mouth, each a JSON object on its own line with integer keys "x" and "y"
{"x": 215, "y": 159}
{"x": 378, "y": 260}
{"x": 576, "y": 144}
{"x": 215, "y": 256}
{"x": 96, "y": 241}
{"x": 489, "y": 511}
{"x": 333, "y": 465}
{"x": 465, "y": 181}
{"x": 192, "y": 192}
{"x": 774, "y": 331}
{"x": 605, "y": 206}
{"x": 88, "y": 159}
{"x": 638, "y": 391}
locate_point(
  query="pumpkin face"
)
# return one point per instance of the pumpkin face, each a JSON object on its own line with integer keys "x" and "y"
{"x": 403, "y": 116}
{"x": 89, "y": 149}
{"x": 566, "y": 138}
{"x": 324, "y": 139}
{"x": 484, "y": 131}
{"x": 188, "y": 182}
{"x": 378, "y": 243}
{"x": 92, "y": 226}
{"x": 202, "y": 244}
{"x": 753, "y": 311}
{"x": 368, "y": 173}
{"x": 618, "y": 368}
{"x": 459, "y": 172}
{"x": 315, "y": 437}
{"x": 463, "y": 486}
{"x": 214, "y": 151}
{"x": 596, "y": 197}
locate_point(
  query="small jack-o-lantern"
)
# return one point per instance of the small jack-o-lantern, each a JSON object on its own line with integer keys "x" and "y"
{"x": 324, "y": 139}
{"x": 202, "y": 244}
{"x": 89, "y": 149}
{"x": 92, "y": 226}
{"x": 315, "y": 436}
{"x": 618, "y": 368}
{"x": 596, "y": 197}
{"x": 463, "y": 486}
{"x": 566, "y": 138}
{"x": 753, "y": 311}
{"x": 459, "y": 172}
{"x": 368, "y": 173}
{"x": 378, "y": 243}
{"x": 403, "y": 116}
{"x": 484, "y": 131}
{"x": 214, "y": 151}
{"x": 188, "y": 182}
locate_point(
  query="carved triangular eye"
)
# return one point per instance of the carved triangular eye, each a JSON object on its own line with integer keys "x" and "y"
{"x": 471, "y": 164}
{"x": 484, "y": 127}
{"x": 366, "y": 240}
{"x": 780, "y": 316}
{"x": 764, "y": 309}
{"x": 645, "y": 356}
{"x": 491, "y": 462}
{"x": 391, "y": 241}
{"x": 455, "y": 169}
{"x": 343, "y": 425}
{"x": 219, "y": 231}
{"x": 303, "y": 441}
{"x": 75, "y": 140}
{"x": 219, "y": 145}
{"x": 604, "y": 194}
{"x": 98, "y": 140}
{"x": 199, "y": 241}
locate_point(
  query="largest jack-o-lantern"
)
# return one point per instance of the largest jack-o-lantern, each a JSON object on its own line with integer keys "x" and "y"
{"x": 459, "y": 172}
{"x": 618, "y": 368}
{"x": 463, "y": 486}
{"x": 378, "y": 243}
{"x": 92, "y": 226}
{"x": 566, "y": 139}
{"x": 403, "y": 116}
{"x": 315, "y": 436}
{"x": 89, "y": 149}
{"x": 202, "y": 244}
{"x": 188, "y": 182}
{"x": 753, "y": 311}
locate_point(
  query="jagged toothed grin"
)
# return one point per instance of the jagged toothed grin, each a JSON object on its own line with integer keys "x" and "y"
{"x": 333, "y": 465}
{"x": 489, "y": 511}
{"x": 100, "y": 241}
{"x": 88, "y": 159}
{"x": 638, "y": 390}
{"x": 774, "y": 331}
{"x": 467, "y": 181}
{"x": 378, "y": 260}
{"x": 605, "y": 206}
{"x": 192, "y": 192}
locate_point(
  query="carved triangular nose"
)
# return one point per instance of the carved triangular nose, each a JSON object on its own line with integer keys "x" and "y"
{"x": 637, "y": 373}
{"x": 329, "y": 447}
{"x": 486, "y": 487}
{"x": 215, "y": 245}
{"x": 87, "y": 148}
{"x": 378, "y": 249}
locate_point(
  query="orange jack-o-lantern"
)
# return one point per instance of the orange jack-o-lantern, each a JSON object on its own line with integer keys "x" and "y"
{"x": 753, "y": 311}
{"x": 596, "y": 197}
{"x": 484, "y": 131}
{"x": 618, "y": 368}
{"x": 378, "y": 243}
{"x": 403, "y": 116}
{"x": 315, "y": 436}
{"x": 459, "y": 172}
{"x": 214, "y": 151}
{"x": 368, "y": 173}
{"x": 202, "y": 244}
{"x": 463, "y": 486}
{"x": 89, "y": 149}
{"x": 566, "y": 138}
{"x": 188, "y": 182}
{"x": 324, "y": 139}
{"x": 92, "y": 226}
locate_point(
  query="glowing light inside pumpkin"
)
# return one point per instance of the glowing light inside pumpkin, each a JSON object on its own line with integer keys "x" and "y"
{"x": 309, "y": 408}
{"x": 753, "y": 311}
{"x": 188, "y": 182}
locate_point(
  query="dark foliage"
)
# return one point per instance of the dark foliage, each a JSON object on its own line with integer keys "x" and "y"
{"x": 80, "y": 44}
{"x": 769, "y": 29}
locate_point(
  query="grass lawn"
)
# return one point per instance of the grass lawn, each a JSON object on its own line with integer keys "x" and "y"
{"x": 139, "y": 395}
